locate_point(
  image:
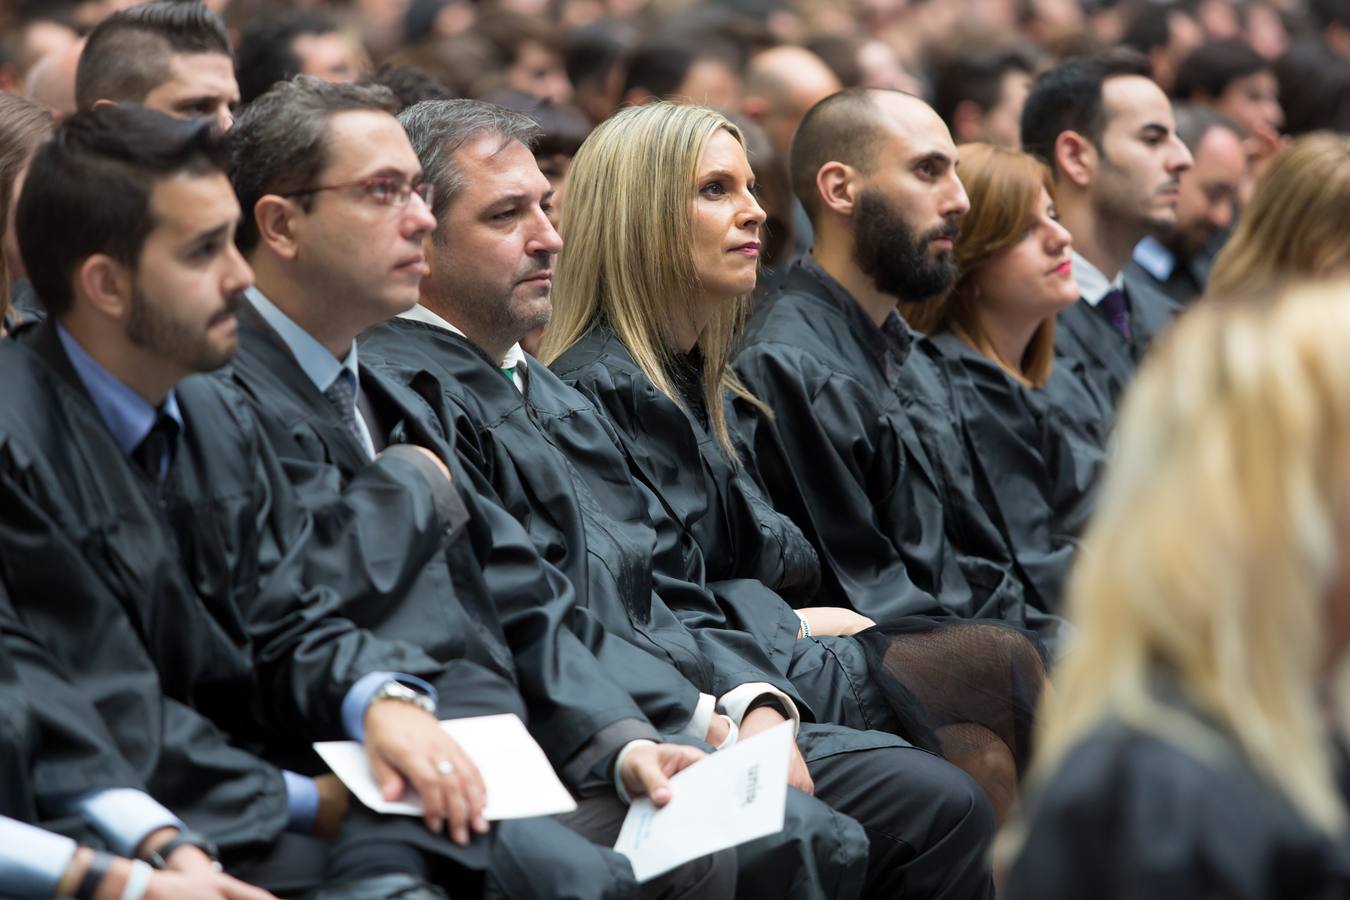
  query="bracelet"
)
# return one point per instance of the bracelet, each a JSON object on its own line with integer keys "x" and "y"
{"x": 806, "y": 626}
{"x": 138, "y": 879}
{"x": 93, "y": 876}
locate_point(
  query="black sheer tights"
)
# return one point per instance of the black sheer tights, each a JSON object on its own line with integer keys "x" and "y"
{"x": 966, "y": 690}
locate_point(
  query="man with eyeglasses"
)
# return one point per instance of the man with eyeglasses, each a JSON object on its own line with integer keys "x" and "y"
{"x": 335, "y": 213}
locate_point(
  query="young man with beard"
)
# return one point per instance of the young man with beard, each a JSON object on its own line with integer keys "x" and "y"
{"x": 866, "y": 450}
{"x": 1178, "y": 260}
{"x": 1106, "y": 131}
{"x": 150, "y": 540}
{"x": 553, "y": 458}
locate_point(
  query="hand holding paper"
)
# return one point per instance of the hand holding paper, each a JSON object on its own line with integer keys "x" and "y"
{"x": 735, "y": 795}
{"x": 647, "y": 770}
{"x": 516, "y": 773}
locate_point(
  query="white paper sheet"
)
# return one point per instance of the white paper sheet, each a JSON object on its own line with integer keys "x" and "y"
{"x": 519, "y": 780}
{"x": 735, "y": 795}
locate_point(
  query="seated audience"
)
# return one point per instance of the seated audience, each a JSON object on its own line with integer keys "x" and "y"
{"x": 1178, "y": 259}
{"x": 996, "y": 327}
{"x": 170, "y": 57}
{"x": 853, "y": 433}
{"x": 1187, "y": 750}
{"x": 339, "y": 210}
{"x": 669, "y": 417}
{"x": 1298, "y": 223}
{"x": 1106, "y": 131}
{"x": 517, "y": 433}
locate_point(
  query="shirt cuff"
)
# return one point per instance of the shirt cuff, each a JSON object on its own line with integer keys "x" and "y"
{"x": 124, "y": 817}
{"x": 33, "y": 860}
{"x": 359, "y": 696}
{"x": 618, "y": 766}
{"x": 736, "y": 701}
{"x": 698, "y": 726}
{"x": 302, "y": 802}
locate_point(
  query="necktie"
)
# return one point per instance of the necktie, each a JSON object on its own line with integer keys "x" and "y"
{"x": 1113, "y": 308}
{"x": 343, "y": 397}
{"x": 155, "y": 451}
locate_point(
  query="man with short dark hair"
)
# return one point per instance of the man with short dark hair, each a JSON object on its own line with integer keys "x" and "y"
{"x": 276, "y": 48}
{"x": 1178, "y": 259}
{"x": 166, "y": 56}
{"x": 1106, "y": 131}
{"x": 339, "y": 214}
{"x": 979, "y": 94}
{"x": 1235, "y": 80}
{"x": 866, "y": 451}
{"x": 198, "y": 608}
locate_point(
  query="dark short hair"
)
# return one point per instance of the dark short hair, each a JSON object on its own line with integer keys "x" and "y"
{"x": 844, "y": 127}
{"x": 409, "y": 84}
{"x": 266, "y": 50}
{"x": 1211, "y": 68}
{"x": 593, "y": 51}
{"x": 127, "y": 55}
{"x": 1314, "y": 89}
{"x": 1326, "y": 13}
{"x": 279, "y": 145}
{"x": 88, "y": 190}
{"x": 976, "y": 76}
{"x": 1069, "y": 98}
{"x": 438, "y": 129}
{"x": 660, "y": 64}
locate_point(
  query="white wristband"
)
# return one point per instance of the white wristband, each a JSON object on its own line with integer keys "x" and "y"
{"x": 138, "y": 880}
{"x": 806, "y": 626}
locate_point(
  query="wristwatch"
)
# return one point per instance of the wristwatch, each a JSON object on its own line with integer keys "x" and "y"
{"x": 159, "y": 857}
{"x": 397, "y": 690}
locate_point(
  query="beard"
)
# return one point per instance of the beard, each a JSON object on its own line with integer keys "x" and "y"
{"x": 894, "y": 257}
{"x": 158, "y": 331}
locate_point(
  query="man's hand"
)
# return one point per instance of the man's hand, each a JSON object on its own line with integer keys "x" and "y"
{"x": 646, "y": 770}
{"x": 767, "y": 717}
{"x": 718, "y": 730}
{"x": 834, "y": 621}
{"x": 333, "y": 801}
{"x": 405, "y": 746}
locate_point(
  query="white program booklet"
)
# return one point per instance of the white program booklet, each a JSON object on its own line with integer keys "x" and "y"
{"x": 519, "y": 780}
{"x": 733, "y": 796}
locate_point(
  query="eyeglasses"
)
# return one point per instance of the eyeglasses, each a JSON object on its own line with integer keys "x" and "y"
{"x": 386, "y": 190}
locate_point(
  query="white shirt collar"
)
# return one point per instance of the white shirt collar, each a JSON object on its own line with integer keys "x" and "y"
{"x": 1092, "y": 284}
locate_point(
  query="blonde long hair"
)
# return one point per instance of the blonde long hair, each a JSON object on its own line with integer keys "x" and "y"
{"x": 628, "y": 250}
{"x": 1004, "y": 187}
{"x": 1298, "y": 223}
{"x": 1215, "y": 544}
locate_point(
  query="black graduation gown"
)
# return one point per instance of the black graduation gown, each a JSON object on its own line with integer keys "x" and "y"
{"x": 521, "y": 607}
{"x": 866, "y": 454}
{"x": 1099, "y": 354}
{"x": 186, "y": 613}
{"x": 1129, "y": 816}
{"x": 1041, "y": 477}
{"x": 553, "y": 462}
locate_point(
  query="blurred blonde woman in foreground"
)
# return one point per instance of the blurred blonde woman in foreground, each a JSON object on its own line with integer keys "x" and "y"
{"x": 1187, "y": 752}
